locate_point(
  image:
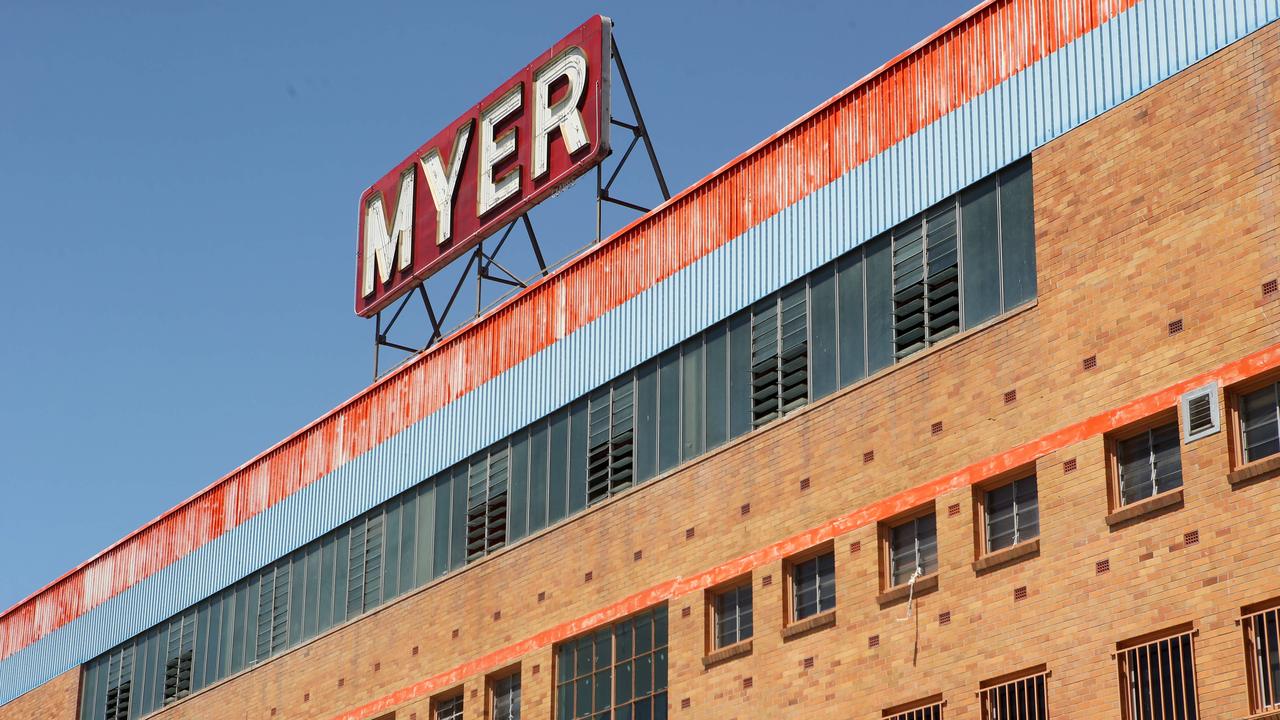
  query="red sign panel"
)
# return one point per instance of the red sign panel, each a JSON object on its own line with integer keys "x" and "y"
{"x": 537, "y": 132}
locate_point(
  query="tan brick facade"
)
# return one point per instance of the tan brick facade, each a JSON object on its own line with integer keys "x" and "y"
{"x": 1166, "y": 208}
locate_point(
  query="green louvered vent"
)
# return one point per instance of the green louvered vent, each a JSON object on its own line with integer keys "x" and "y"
{"x": 364, "y": 565}
{"x": 179, "y": 652}
{"x": 611, "y": 440}
{"x": 926, "y": 280}
{"x": 779, "y": 355}
{"x": 120, "y": 684}
{"x": 487, "y": 503}
{"x": 273, "y": 610}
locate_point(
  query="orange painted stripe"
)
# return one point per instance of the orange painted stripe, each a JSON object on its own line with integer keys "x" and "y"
{"x": 1145, "y": 406}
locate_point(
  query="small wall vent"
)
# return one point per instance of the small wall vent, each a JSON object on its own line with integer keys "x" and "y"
{"x": 1201, "y": 414}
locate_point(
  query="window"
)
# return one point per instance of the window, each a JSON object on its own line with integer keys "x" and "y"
{"x": 178, "y": 658}
{"x": 119, "y": 685}
{"x": 364, "y": 572}
{"x": 1262, "y": 643}
{"x": 1158, "y": 679}
{"x": 779, "y": 355}
{"x": 487, "y": 502}
{"x": 611, "y": 441}
{"x": 1020, "y": 699}
{"x": 813, "y": 586}
{"x": 930, "y": 709}
{"x": 1013, "y": 515}
{"x": 731, "y": 615}
{"x": 1260, "y": 423}
{"x": 1148, "y": 463}
{"x": 926, "y": 279}
{"x": 913, "y": 549}
{"x": 617, "y": 673}
{"x": 449, "y": 709}
{"x": 273, "y": 610}
{"x": 506, "y": 698}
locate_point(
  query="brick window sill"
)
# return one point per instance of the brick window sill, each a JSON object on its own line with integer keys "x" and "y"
{"x": 924, "y": 585}
{"x": 1007, "y": 555}
{"x": 809, "y": 624}
{"x": 1265, "y": 715}
{"x": 1145, "y": 507}
{"x": 1253, "y": 470}
{"x": 727, "y": 653}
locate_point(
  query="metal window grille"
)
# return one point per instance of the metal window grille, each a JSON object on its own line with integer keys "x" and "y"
{"x": 1021, "y": 699}
{"x": 450, "y": 709}
{"x": 1262, "y": 640}
{"x": 179, "y": 656}
{"x": 487, "y": 503}
{"x": 913, "y": 546}
{"x": 611, "y": 439}
{"x": 616, "y": 672}
{"x": 1260, "y": 422}
{"x": 779, "y": 355}
{"x": 1149, "y": 463}
{"x": 926, "y": 279}
{"x": 1200, "y": 413}
{"x": 813, "y": 586}
{"x": 119, "y": 684}
{"x": 273, "y": 610}
{"x": 1158, "y": 680}
{"x": 1013, "y": 514}
{"x": 506, "y": 698}
{"x": 933, "y": 711}
{"x": 733, "y": 614}
{"x": 364, "y": 565}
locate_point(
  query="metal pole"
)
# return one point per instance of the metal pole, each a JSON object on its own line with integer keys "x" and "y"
{"x": 635, "y": 108}
{"x": 377, "y": 342}
{"x": 599, "y": 199}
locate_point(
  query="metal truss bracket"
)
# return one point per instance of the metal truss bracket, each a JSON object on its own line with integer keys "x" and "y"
{"x": 639, "y": 133}
{"x": 484, "y": 265}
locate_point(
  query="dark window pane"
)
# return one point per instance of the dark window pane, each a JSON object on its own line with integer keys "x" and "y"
{"x": 1017, "y": 233}
{"x": 538, "y": 453}
{"x": 853, "y": 361}
{"x": 739, "y": 374}
{"x": 517, "y": 518}
{"x": 693, "y": 389}
{"x": 822, "y": 319}
{"x": 717, "y": 384}
{"x": 980, "y": 243}
{"x": 458, "y": 513}
{"x": 558, "y": 469}
{"x": 578, "y": 457}
{"x": 879, "y": 279}
{"x": 391, "y": 550}
{"x": 646, "y": 432}
{"x": 668, "y": 410}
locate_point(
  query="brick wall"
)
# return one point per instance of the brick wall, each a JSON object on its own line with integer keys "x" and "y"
{"x": 1164, "y": 209}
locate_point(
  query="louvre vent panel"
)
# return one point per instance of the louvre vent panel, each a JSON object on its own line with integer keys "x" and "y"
{"x": 487, "y": 479}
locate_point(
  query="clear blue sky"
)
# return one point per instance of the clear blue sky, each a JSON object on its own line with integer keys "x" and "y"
{"x": 178, "y": 193}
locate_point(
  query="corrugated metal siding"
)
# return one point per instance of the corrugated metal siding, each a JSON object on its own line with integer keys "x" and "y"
{"x": 1100, "y": 70}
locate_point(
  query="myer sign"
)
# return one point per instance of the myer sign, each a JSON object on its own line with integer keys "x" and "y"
{"x": 537, "y": 132}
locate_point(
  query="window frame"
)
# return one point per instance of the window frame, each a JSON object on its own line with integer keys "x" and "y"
{"x": 917, "y": 709}
{"x": 790, "y": 568}
{"x": 456, "y": 693}
{"x": 886, "y": 529}
{"x": 1235, "y": 401}
{"x": 492, "y": 681}
{"x": 1112, "y": 441}
{"x": 1128, "y": 648}
{"x": 982, "y": 517}
{"x": 987, "y": 688}
{"x": 712, "y": 613}
{"x": 1247, "y": 615}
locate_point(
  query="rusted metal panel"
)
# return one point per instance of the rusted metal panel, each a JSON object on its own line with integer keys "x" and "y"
{"x": 741, "y": 200}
